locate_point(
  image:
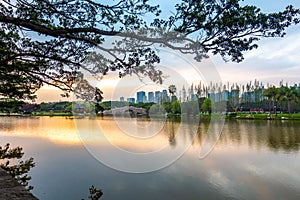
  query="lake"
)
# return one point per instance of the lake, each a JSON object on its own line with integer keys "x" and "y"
{"x": 153, "y": 159}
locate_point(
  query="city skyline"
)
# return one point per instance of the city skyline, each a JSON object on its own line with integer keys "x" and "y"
{"x": 51, "y": 94}
{"x": 216, "y": 92}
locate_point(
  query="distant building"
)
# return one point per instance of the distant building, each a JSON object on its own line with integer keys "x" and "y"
{"x": 259, "y": 94}
{"x": 122, "y": 99}
{"x": 235, "y": 96}
{"x": 225, "y": 95}
{"x": 194, "y": 97}
{"x": 212, "y": 97}
{"x": 157, "y": 98}
{"x": 151, "y": 97}
{"x": 248, "y": 97}
{"x": 165, "y": 97}
{"x": 173, "y": 98}
{"x": 184, "y": 97}
{"x": 141, "y": 97}
{"x": 144, "y": 99}
{"x": 131, "y": 100}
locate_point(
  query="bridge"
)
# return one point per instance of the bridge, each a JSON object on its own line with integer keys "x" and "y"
{"x": 126, "y": 111}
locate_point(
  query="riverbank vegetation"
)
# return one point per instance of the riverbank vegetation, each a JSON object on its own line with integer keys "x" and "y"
{"x": 11, "y": 163}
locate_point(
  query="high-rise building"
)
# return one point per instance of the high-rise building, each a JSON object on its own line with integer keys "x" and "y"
{"x": 151, "y": 97}
{"x": 225, "y": 95}
{"x": 212, "y": 96}
{"x": 131, "y": 100}
{"x": 140, "y": 97}
{"x": 173, "y": 98}
{"x": 165, "y": 97}
{"x": 183, "y": 94}
{"x": 122, "y": 99}
{"x": 194, "y": 97}
{"x": 157, "y": 98}
{"x": 235, "y": 97}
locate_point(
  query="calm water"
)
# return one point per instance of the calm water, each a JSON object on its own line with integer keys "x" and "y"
{"x": 251, "y": 160}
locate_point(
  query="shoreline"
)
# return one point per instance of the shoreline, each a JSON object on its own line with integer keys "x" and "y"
{"x": 11, "y": 189}
{"x": 230, "y": 116}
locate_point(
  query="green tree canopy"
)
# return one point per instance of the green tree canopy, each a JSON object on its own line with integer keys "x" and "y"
{"x": 50, "y": 41}
{"x": 207, "y": 105}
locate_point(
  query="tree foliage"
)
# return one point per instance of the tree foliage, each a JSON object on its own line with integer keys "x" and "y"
{"x": 172, "y": 89}
{"x": 207, "y": 105}
{"x": 20, "y": 170}
{"x": 270, "y": 93}
{"x": 95, "y": 193}
{"x": 10, "y": 105}
{"x": 52, "y": 41}
{"x": 287, "y": 94}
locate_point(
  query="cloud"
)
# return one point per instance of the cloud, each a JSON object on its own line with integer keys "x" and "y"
{"x": 274, "y": 60}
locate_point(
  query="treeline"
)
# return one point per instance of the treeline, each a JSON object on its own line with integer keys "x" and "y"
{"x": 250, "y": 97}
{"x": 283, "y": 98}
{"x": 14, "y": 106}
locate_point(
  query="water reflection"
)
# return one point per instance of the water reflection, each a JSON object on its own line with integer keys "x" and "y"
{"x": 284, "y": 136}
{"x": 251, "y": 160}
{"x": 56, "y": 129}
{"x": 275, "y": 135}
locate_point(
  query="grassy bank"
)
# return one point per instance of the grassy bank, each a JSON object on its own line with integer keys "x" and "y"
{"x": 52, "y": 114}
{"x": 266, "y": 116}
{"x": 250, "y": 116}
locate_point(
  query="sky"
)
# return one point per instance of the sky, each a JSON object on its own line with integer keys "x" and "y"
{"x": 275, "y": 59}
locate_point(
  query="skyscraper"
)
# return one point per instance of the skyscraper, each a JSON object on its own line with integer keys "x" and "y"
{"x": 131, "y": 100}
{"x": 140, "y": 97}
{"x": 165, "y": 97}
{"x": 157, "y": 98}
{"x": 151, "y": 97}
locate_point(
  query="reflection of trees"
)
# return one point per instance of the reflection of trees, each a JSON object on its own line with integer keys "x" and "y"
{"x": 171, "y": 129}
{"x": 6, "y": 124}
{"x": 233, "y": 135}
{"x": 201, "y": 132}
{"x": 275, "y": 135}
{"x": 284, "y": 136}
{"x": 182, "y": 128}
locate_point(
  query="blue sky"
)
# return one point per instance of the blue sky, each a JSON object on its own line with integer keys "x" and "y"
{"x": 275, "y": 59}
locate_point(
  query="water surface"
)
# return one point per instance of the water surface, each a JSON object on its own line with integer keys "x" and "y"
{"x": 251, "y": 160}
